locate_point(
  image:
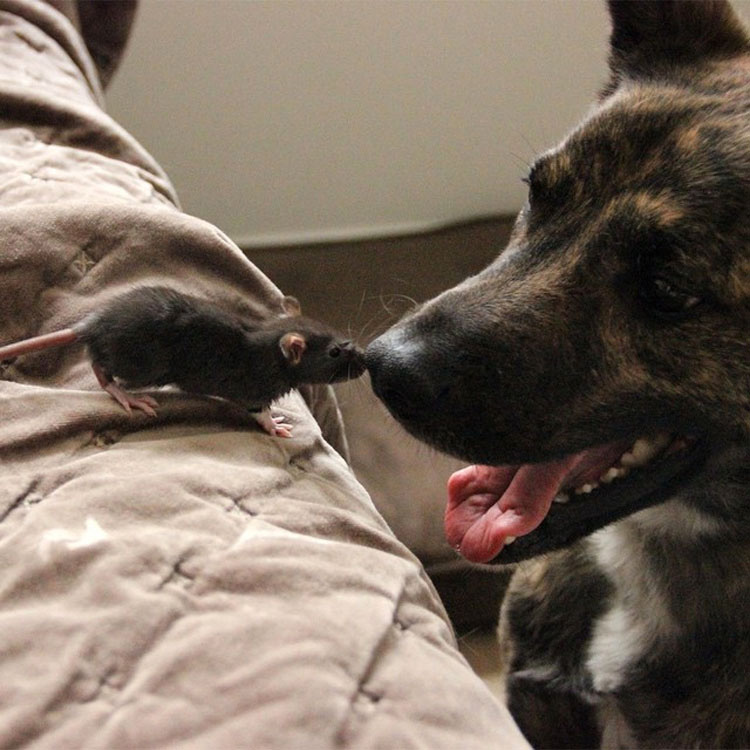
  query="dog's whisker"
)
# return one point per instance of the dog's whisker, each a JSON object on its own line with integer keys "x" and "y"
{"x": 404, "y": 297}
{"x": 362, "y": 299}
{"x": 372, "y": 324}
{"x": 525, "y": 162}
{"x": 385, "y": 307}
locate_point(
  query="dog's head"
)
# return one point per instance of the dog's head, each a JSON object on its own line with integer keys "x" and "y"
{"x": 603, "y": 358}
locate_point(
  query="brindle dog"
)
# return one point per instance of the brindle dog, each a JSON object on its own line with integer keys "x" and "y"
{"x": 597, "y": 374}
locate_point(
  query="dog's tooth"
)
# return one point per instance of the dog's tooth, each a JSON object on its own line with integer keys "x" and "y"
{"x": 585, "y": 489}
{"x": 644, "y": 450}
{"x": 561, "y": 497}
{"x": 510, "y": 539}
{"x": 610, "y": 475}
{"x": 641, "y": 450}
{"x": 627, "y": 459}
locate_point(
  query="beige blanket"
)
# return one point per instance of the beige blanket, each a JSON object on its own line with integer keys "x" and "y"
{"x": 184, "y": 581}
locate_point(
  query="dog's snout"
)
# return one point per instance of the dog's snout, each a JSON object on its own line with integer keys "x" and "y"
{"x": 401, "y": 375}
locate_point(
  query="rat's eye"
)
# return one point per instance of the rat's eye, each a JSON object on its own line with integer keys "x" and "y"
{"x": 667, "y": 299}
{"x": 334, "y": 351}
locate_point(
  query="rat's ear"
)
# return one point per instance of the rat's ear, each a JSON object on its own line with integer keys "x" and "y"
{"x": 291, "y": 306}
{"x": 293, "y": 346}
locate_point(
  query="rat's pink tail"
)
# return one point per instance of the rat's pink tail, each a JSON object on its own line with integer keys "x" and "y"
{"x": 45, "y": 341}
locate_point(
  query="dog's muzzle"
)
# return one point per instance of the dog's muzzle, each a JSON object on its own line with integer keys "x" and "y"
{"x": 404, "y": 375}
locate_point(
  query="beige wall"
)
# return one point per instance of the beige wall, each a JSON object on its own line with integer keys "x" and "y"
{"x": 308, "y": 119}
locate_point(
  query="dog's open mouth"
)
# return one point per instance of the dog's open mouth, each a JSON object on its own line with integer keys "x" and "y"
{"x": 515, "y": 512}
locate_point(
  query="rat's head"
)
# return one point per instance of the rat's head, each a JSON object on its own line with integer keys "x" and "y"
{"x": 315, "y": 353}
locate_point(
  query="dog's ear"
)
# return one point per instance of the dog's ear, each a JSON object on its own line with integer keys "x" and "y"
{"x": 650, "y": 38}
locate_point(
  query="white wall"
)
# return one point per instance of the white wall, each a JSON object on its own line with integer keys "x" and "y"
{"x": 307, "y": 119}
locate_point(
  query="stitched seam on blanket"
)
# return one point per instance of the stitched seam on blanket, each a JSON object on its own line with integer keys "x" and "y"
{"x": 61, "y": 33}
{"x": 176, "y": 576}
{"x": 150, "y": 648}
{"x": 237, "y": 505}
{"x": 73, "y": 271}
{"x": 55, "y": 112}
{"x": 354, "y": 718}
{"x": 20, "y": 500}
{"x": 59, "y": 701}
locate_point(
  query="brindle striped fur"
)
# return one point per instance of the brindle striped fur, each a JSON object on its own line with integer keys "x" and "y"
{"x": 638, "y": 635}
{"x": 662, "y": 169}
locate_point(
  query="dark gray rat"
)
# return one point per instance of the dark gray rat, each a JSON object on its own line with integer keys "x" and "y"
{"x": 153, "y": 335}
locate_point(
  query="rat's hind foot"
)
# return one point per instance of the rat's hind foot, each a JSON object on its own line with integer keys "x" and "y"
{"x": 275, "y": 426}
{"x": 128, "y": 401}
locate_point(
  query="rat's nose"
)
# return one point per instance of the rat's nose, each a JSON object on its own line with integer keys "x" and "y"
{"x": 355, "y": 358}
{"x": 402, "y": 375}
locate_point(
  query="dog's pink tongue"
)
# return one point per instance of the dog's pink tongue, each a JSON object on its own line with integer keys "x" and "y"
{"x": 487, "y": 504}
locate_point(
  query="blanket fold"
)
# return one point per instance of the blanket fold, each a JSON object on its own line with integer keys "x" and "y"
{"x": 185, "y": 581}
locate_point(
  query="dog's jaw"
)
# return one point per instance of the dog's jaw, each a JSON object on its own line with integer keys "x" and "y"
{"x": 508, "y": 514}
{"x": 528, "y": 450}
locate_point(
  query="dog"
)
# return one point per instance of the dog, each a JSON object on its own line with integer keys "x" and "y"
{"x": 597, "y": 377}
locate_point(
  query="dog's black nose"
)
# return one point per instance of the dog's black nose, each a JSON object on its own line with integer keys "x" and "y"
{"x": 402, "y": 376}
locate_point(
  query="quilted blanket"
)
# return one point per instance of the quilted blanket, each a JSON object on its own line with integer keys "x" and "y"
{"x": 184, "y": 580}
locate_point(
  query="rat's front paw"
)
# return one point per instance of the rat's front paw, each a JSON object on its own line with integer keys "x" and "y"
{"x": 282, "y": 428}
{"x": 275, "y": 426}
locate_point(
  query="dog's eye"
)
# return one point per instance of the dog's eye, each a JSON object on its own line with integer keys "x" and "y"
{"x": 534, "y": 190}
{"x": 334, "y": 351}
{"x": 545, "y": 193}
{"x": 667, "y": 299}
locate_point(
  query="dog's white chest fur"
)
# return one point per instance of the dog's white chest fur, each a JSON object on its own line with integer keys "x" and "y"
{"x": 637, "y": 617}
{"x": 619, "y": 639}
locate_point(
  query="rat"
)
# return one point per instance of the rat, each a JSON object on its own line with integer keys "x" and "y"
{"x": 154, "y": 335}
